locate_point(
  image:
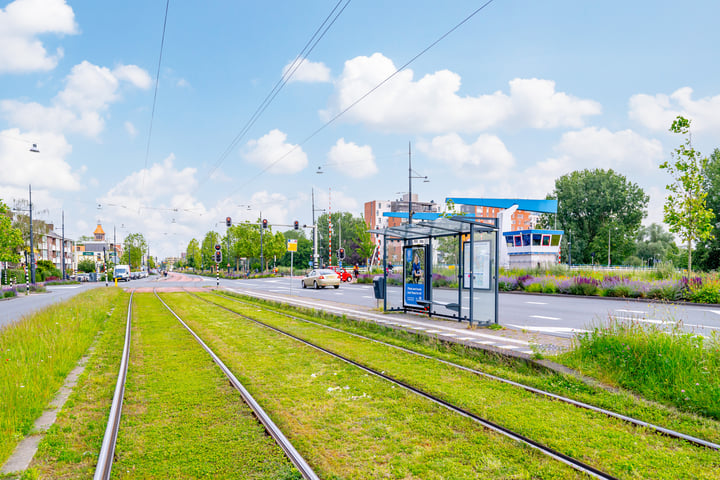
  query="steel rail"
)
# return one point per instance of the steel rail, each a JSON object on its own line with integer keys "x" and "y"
{"x": 550, "y": 452}
{"x": 634, "y": 421}
{"x": 295, "y": 457}
{"x": 107, "y": 451}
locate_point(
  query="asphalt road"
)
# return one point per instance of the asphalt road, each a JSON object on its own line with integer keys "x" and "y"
{"x": 553, "y": 315}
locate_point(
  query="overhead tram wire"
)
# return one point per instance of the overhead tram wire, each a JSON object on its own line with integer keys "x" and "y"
{"x": 284, "y": 79}
{"x": 367, "y": 94}
{"x": 157, "y": 81}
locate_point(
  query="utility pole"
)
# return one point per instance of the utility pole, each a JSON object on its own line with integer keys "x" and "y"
{"x": 62, "y": 245}
{"x": 32, "y": 247}
{"x": 262, "y": 234}
{"x": 409, "y": 185}
{"x": 315, "y": 239}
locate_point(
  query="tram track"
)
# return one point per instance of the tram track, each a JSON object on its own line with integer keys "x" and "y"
{"x": 107, "y": 454}
{"x": 492, "y": 426}
{"x": 630, "y": 420}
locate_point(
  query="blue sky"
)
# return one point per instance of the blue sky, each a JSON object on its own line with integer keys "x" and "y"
{"x": 519, "y": 95}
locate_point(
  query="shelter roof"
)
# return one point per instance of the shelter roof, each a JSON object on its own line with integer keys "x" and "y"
{"x": 440, "y": 227}
{"x": 528, "y": 205}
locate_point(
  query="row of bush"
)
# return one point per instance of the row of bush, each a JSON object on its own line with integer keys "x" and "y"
{"x": 694, "y": 289}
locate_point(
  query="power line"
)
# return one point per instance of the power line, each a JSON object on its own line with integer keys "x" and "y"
{"x": 287, "y": 75}
{"x": 157, "y": 81}
{"x": 363, "y": 97}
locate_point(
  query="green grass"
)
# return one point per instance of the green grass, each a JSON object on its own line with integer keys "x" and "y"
{"x": 38, "y": 352}
{"x": 72, "y": 445}
{"x": 676, "y": 368}
{"x": 610, "y": 444}
{"x": 181, "y": 417}
{"x": 349, "y": 424}
{"x": 518, "y": 370}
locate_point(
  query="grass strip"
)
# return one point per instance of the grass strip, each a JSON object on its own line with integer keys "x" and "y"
{"x": 607, "y": 443}
{"x": 181, "y": 418}
{"x": 678, "y": 369}
{"x": 518, "y": 370}
{"x": 38, "y": 352}
{"x": 71, "y": 447}
{"x": 349, "y": 424}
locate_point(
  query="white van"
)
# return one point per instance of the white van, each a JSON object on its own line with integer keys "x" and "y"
{"x": 122, "y": 272}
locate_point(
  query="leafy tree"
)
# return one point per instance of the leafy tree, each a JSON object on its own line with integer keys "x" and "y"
{"x": 11, "y": 239}
{"x": 654, "y": 244}
{"x": 135, "y": 247}
{"x": 193, "y": 255}
{"x": 275, "y": 246}
{"x": 304, "y": 250}
{"x": 595, "y": 204}
{"x": 345, "y": 224}
{"x": 86, "y": 266}
{"x": 208, "y": 250}
{"x": 244, "y": 241}
{"x": 448, "y": 249}
{"x": 21, "y": 221}
{"x": 685, "y": 209}
{"x": 365, "y": 245}
{"x": 707, "y": 253}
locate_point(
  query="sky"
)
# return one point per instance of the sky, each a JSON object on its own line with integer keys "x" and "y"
{"x": 518, "y": 95}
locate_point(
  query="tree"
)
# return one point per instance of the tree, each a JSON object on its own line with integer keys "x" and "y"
{"x": 707, "y": 253}
{"x": 208, "y": 250}
{"x": 654, "y": 245}
{"x": 135, "y": 247}
{"x": 365, "y": 246}
{"x": 595, "y": 206}
{"x": 11, "y": 240}
{"x": 685, "y": 209}
{"x": 86, "y": 266}
{"x": 193, "y": 254}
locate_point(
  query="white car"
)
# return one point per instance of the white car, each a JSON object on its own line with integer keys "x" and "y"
{"x": 321, "y": 278}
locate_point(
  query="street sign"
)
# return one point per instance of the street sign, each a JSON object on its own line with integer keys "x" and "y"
{"x": 292, "y": 245}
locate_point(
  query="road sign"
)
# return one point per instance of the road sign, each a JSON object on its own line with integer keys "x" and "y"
{"x": 292, "y": 245}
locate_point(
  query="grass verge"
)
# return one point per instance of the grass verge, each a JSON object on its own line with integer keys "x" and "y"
{"x": 518, "y": 370}
{"x": 675, "y": 368}
{"x": 181, "y": 418}
{"x": 37, "y": 354}
{"x": 607, "y": 443}
{"x": 349, "y": 424}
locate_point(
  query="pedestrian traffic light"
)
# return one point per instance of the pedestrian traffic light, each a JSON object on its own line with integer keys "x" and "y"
{"x": 228, "y": 222}
{"x": 218, "y": 256}
{"x": 296, "y": 224}
{"x": 264, "y": 222}
{"x": 218, "y": 247}
{"x": 341, "y": 254}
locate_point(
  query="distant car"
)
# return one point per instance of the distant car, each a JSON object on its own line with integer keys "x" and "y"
{"x": 122, "y": 273}
{"x": 321, "y": 278}
{"x": 344, "y": 275}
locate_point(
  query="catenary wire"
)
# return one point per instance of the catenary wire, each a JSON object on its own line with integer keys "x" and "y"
{"x": 363, "y": 97}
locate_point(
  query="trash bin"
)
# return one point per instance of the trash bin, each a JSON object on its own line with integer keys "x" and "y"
{"x": 379, "y": 287}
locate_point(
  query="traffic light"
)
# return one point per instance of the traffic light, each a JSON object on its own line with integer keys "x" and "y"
{"x": 218, "y": 256}
{"x": 296, "y": 224}
{"x": 228, "y": 222}
{"x": 341, "y": 254}
{"x": 264, "y": 222}
{"x": 218, "y": 247}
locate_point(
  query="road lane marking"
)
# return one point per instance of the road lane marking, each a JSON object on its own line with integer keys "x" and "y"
{"x": 665, "y": 322}
{"x": 550, "y": 329}
{"x": 631, "y": 311}
{"x": 544, "y": 318}
{"x": 537, "y": 303}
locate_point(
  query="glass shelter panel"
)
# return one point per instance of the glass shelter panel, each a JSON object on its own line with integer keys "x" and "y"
{"x": 484, "y": 289}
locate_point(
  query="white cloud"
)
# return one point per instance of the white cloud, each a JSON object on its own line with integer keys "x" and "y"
{"x": 352, "y": 160}
{"x": 134, "y": 75}
{"x": 45, "y": 169}
{"x": 21, "y": 22}
{"x": 626, "y": 152}
{"x": 487, "y": 157}
{"x": 273, "y": 153}
{"x": 657, "y": 112}
{"x": 145, "y": 186}
{"x": 432, "y": 104}
{"x": 130, "y": 129}
{"x": 80, "y": 106}
{"x": 307, "y": 71}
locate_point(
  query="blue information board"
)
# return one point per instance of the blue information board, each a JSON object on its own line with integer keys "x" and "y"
{"x": 413, "y": 275}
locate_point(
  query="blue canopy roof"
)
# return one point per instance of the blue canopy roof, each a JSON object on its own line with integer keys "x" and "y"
{"x": 528, "y": 205}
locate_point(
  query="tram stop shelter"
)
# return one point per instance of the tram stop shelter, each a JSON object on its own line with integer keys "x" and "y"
{"x": 449, "y": 267}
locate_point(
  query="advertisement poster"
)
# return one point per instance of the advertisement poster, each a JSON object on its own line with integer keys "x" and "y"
{"x": 414, "y": 275}
{"x": 481, "y": 265}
